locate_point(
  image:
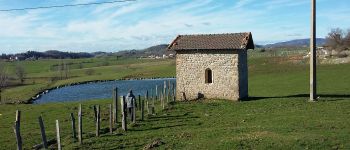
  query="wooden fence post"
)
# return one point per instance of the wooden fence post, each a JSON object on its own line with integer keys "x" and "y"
{"x": 153, "y": 98}
{"x": 80, "y": 126}
{"x": 153, "y": 110}
{"x": 18, "y": 118}
{"x": 174, "y": 90}
{"x": 147, "y": 107}
{"x": 139, "y": 104}
{"x": 58, "y": 135}
{"x": 164, "y": 89}
{"x": 124, "y": 127}
{"x": 16, "y": 129}
{"x": 95, "y": 113}
{"x": 143, "y": 107}
{"x": 163, "y": 100}
{"x": 73, "y": 127}
{"x": 98, "y": 121}
{"x": 134, "y": 111}
{"x": 115, "y": 110}
{"x": 168, "y": 91}
{"x": 156, "y": 96}
{"x": 43, "y": 134}
{"x": 110, "y": 118}
{"x": 147, "y": 94}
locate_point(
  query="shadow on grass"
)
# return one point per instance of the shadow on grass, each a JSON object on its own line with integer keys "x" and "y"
{"x": 158, "y": 127}
{"x": 339, "y": 96}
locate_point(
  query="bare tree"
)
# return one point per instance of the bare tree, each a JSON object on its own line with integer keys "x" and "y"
{"x": 60, "y": 68}
{"x": 65, "y": 69}
{"x": 3, "y": 79}
{"x": 335, "y": 39}
{"x": 347, "y": 39}
{"x": 20, "y": 73}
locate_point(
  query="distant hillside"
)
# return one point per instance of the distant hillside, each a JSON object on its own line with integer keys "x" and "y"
{"x": 296, "y": 43}
{"x": 50, "y": 54}
{"x": 157, "y": 50}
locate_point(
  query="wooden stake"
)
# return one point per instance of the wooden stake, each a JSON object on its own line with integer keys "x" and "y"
{"x": 147, "y": 107}
{"x": 147, "y": 94}
{"x": 143, "y": 107}
{"x": 95, "y": 113}
{"x": 18, "y": 118}
{"x": 153, "y": 98}
{"x": 174, "y": 90}
{"x": 133, "y": 111}
{"x": 124, "y": 121}
{"x": 115, "y": 110}
{"x": 73, "y": 127}
{"x": 98, "y": 121}
{"x": 164, "y": 90}
{"x": 156, "y": 92}
{"x": 139, "y": 104}
{"x": 110, "y": 118}
{"x": 58, "y": 135}
{"x": 153, "y": 110}
{"x": 163, "y": 100}
{"x": 43, "y": 134}
{"x": 80, "y": 126}
{"x": 16, "y": 129}
{"x": 168, "y": 91}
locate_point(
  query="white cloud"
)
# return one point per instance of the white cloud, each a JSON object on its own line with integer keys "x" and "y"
{"x": 139, "y": 24}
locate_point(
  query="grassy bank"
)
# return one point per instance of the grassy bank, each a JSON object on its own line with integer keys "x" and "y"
{"x": 277, "y": 116}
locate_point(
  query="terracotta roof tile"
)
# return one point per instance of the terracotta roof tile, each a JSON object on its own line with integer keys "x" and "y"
{"x": 234, "y": 41}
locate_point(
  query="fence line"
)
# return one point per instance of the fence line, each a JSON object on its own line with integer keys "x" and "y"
{"x": 138, "y": 104}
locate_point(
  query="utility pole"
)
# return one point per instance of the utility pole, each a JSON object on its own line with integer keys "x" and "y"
{"x": 313, "y": 52}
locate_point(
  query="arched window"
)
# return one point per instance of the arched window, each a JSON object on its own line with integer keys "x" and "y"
{"x": 208, "y": 76}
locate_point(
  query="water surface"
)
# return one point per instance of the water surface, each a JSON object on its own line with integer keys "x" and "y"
{"x": 101, "y": 90}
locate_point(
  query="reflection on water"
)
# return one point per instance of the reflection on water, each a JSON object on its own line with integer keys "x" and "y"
{"x": 101, "y": 90}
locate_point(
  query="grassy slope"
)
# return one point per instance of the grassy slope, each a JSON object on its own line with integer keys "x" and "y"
{"x": 277, "y": 117}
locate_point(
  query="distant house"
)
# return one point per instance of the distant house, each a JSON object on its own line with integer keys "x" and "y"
{"x": 212, "y": 65}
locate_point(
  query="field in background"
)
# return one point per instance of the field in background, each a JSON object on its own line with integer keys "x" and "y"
{"x": 277, "y": 115}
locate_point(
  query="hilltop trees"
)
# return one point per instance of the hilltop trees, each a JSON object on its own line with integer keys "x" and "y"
{"x": 63, "y": 69}
{"x": 338, "y": 40}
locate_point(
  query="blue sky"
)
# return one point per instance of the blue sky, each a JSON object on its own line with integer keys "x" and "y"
{"x": 143, "y": 23}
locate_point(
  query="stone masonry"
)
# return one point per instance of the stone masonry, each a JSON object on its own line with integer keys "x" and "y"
{"x": 227, "y": 67}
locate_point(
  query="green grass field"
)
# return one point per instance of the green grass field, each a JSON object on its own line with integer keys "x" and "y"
{"x": 277, "y": 116}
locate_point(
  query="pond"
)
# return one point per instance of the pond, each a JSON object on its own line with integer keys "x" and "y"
{"x": 101, "y": 90}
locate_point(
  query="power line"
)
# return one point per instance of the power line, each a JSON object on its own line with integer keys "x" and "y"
{"x": 68, "y": 5}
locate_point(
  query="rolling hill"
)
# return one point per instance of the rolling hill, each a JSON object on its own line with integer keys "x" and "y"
{"x": 296, "y": 43}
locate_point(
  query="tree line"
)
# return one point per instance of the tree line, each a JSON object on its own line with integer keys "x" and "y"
{"x": 53, "y": 54}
